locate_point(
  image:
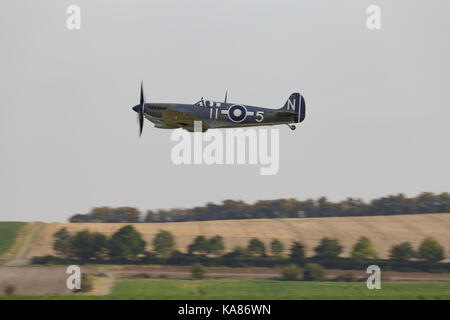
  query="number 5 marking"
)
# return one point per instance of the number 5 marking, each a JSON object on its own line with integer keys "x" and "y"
{"x": 259, "y": 116}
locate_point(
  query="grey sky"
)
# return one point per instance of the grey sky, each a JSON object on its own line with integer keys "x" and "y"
{"x": 377, "y": 101}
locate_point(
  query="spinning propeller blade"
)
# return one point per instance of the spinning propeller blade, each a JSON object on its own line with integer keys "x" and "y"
{"x": 141, "y": 110}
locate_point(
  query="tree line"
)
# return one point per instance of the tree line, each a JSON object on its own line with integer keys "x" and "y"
{"x": 127, "y": 246}
{"x": 426, "y": 202}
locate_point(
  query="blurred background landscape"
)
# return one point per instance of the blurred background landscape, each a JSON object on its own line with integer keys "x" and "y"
{"x": 278, "y": 249}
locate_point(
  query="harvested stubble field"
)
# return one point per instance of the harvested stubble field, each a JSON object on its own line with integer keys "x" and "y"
{"x": 383, "y": 231}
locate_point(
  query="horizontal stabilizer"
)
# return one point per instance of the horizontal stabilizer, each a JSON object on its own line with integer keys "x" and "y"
{"x": 285, "y": 113}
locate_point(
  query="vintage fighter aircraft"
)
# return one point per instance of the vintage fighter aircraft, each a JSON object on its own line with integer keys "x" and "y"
{"x": 218, "y": 114}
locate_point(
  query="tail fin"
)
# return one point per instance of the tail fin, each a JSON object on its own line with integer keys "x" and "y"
{"x": 295, "y": 105}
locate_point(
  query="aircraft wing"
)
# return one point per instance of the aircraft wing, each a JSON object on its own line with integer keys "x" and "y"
{"x": 176, "y": 118}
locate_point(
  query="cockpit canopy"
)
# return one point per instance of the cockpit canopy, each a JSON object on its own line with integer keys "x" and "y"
{"x": 207, "y": 103}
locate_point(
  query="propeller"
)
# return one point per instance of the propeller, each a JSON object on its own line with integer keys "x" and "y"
{"x": 226, "y": 93}
{"x": 140, "y": 109}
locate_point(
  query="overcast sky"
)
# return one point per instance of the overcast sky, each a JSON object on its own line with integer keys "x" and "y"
{"x": 378, "y": 102}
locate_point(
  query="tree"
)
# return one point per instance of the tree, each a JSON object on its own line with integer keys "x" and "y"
{"x": 238, "y": 251}
{"x": 126, "y": 244}
{"x": 151, "y": 216}
{"x": 276, "y": 247}
{"x": 84, "y": 246}
{"x": 62, "y": 244}
{"x": 430, "y": 250}
{"x": 100, "y": 214}
{"x": 199, "y": 245}
{"x": 363, "y": 250}
{"x": 444, "y": 202}
{"x": 256, "y": 247}
{"x": 280, "y": 208}
{"x": 390, "y": 205}
{"x": 216, "y": 245}
{"x": 290, "y": 272}
{"x": 163, "y": 243}
{"x": 100, "y": 245}
{"x": 425, "y": 202}
{"x": 78, "y": 217}
{"x": 81, "y": 245}
{"x": 326, "y": 208}
{"x": 328, "y": 248}
{"x": 402, "y": 252}
{"x": 124, "y": 214}
{"x": 313, "y": 272}
{"x": 297, "y": 253}
{"x": 198, "y": 271}
{"x": 107, "y": 214}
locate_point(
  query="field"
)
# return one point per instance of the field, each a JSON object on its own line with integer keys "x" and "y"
{"x": 383, "y": 231}
{"x": 224, "y": 289}
{"x": 8, "y": 234}
{"x": 271, "y": 289}
{"x": 165, "y": 282}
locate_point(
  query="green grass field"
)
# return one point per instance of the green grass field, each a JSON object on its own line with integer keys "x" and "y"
{"x": 8, "y": 232}
{"x": 272, "y": 289}
{"x": 163, "y": 289}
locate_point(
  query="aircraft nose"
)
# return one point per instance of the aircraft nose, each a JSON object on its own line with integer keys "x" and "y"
{"x": 136, "y": 108}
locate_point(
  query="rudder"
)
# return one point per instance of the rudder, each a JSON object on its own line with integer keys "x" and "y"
{"x": 296, "y": 104}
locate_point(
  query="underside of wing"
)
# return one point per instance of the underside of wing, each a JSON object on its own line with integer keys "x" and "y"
{"x": 176, "y": 118}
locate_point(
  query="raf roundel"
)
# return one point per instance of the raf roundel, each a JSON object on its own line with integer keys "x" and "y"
{"x": 237, "y": 113}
